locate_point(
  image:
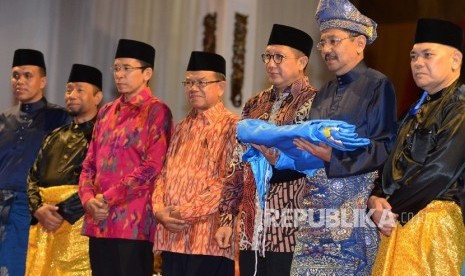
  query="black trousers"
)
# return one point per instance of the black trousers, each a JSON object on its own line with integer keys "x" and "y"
{"x": 120, "y": 257}
{"x": 177, "y": 264}
{"x": 274, "y": 263}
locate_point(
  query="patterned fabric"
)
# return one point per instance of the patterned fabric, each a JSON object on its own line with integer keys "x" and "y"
{"x": 294, "y": 108}
{"x": 126, "y": 154}
{"x": 334, "y": 238}
{"x": 431, "y": 243}
{"x": 365, "y": 98}
{"x": 62, "y": 252}
{"x": 342, "y": 14}
{"x": 196, "y": 167}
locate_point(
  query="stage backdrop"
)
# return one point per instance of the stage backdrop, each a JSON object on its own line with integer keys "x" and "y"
{"x": 87, "y": 31}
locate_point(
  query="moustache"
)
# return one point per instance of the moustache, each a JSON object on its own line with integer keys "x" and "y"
{"x": 330, "y": 56}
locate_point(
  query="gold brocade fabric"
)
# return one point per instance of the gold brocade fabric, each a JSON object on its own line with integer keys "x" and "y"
{"x": 63, "y": 252}
{"x": 431, "y": 243}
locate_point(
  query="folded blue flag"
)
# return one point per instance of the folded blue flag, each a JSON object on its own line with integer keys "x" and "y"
{"x": 337, "y": 134}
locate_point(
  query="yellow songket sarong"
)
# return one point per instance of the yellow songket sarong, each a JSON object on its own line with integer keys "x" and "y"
{"x": 63, "y": 252}
{"x": 431, "y": 243}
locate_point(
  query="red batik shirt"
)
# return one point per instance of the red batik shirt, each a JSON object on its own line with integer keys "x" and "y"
{"x": 125, "y": 156}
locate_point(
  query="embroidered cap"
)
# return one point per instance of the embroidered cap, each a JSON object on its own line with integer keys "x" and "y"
{"x": 341, "y": 14}
{"x": 205, "y": 61}
{"x": 439, "y": 31}
{"x": 128, "y": 48}
{"x": 85, "y": 73}
{"x": 292, "y": 37}
{"x": 29, "y": 57}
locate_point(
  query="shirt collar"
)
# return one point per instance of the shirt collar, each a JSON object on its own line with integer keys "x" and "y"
{"x": 296, "y": 86}
{"x": 138, "y": 99}
{"x": 31, "y": 107}
{"x": 445, "y": 91}
{"x": 352, "y": 75}
{"x": 84, "y": 126}
{"x": 210, "y": 115}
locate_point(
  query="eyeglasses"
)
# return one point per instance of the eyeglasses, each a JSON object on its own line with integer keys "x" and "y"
{"x": 199, "y": 84}
{"x": 277, "y": 58}
{"x": 125, "y": 68}
{"x": 333, "y": 42}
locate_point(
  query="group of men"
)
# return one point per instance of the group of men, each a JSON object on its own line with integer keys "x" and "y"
{"x": 97, "y": 191}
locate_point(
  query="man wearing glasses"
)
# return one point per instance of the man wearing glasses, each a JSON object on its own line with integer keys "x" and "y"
{"x": 268, "y": 249}
{"x": 126, "y": 154}
{"x": 365, "y": 98}
{"x": 188, "y": 191}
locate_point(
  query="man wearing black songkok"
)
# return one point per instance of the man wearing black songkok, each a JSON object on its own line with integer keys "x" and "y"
{"x": 187, "y": 193}
{"x": 56, "y": 246}
{"x": 268, "y": 248}
{"x": 125, "y": 156}
{"x": 22, "y": 129}
{"x": 417, "y": 208}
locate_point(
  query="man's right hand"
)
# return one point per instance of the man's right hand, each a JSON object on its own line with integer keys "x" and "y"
{"x": 97, "y": 209}
{"x": 48, "y": 217}
{"x": 382, "y": 216}
{"x": 223, "y": 236}
{"x": 170, "y": 218}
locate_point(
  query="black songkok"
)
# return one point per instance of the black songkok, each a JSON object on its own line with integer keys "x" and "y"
{"x": 135, "y": 49}
{"x": 205, "y": 61}
{"x": 28, "y": 57}
{"x": 85, "y": 73}
{"x": 292, "y": 37}
{"x": 439, "y": 31}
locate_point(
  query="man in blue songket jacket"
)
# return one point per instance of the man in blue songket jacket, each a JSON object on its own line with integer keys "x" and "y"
{"x": 22, "y": 129}
{"x": 337, "y": 239}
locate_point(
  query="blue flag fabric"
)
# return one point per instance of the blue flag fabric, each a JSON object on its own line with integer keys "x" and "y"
{"x": 337, "y": 134}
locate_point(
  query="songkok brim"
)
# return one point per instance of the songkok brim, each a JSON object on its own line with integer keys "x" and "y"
{"x": 439, "y": 31}
{"x": 292, "y": 37}
{"x": 205, "y": 61}
{"x": 341, "y": 14}
{"x": 85, "y": 73}
{"x": 28, "y": 57}
{"x": 128, "y": 48}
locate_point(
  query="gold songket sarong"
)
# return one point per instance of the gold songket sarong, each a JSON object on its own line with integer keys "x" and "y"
{"x": 63, "y": 252}
{"x": 431, "y": 243}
